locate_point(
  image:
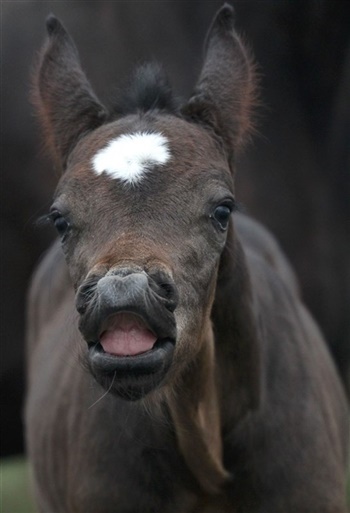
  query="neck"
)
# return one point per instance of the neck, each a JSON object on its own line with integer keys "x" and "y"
{"x": 236, "y": 338}
{"x": 224, "y": 385}
{"x": 196, "y": 415}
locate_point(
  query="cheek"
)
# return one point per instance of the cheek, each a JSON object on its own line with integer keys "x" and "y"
{"x": 187, "y": 324}
{"x": 78, "y": 263}
{"x": 196, "y": 289}
{"x": 192, "y": 316}
{"x": 196, "y": 265}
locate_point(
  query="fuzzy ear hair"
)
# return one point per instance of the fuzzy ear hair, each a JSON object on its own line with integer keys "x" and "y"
{"x": 225, "y": 92}
{"x": 67, "y": 106}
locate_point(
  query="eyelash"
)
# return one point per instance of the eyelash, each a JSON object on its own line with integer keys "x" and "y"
{"x": 44, "y": 220}
{"x": 54, "y": 219}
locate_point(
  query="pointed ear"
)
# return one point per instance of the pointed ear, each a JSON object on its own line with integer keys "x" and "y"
{"x": 225, "y": 92}
{"x": 63, "y": 96}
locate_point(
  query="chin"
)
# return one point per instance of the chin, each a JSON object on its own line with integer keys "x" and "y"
{"x": 131, "y": 377}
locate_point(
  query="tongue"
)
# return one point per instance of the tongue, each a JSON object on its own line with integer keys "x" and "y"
{"x": 126, "y": 335}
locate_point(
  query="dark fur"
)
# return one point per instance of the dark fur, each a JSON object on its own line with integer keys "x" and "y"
{"x": 250, "y": 415}
{"x": 59, "y": 64}
{"x": 148, "y": 89}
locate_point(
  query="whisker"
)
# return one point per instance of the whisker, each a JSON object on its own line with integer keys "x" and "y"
{"x": 104, "y": 395}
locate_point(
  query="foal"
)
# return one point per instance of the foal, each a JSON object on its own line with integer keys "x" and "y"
{"x": 202, "y": 384}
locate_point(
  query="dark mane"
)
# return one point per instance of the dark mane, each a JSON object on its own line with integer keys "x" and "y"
{"x": 147, "y": 89}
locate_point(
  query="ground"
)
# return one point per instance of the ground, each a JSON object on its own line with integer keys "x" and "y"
{"x": 15, "y": 495}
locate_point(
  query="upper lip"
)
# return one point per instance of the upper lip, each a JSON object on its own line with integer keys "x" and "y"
{"x": 105, "y": 322}
{"x": 163, "y": 326}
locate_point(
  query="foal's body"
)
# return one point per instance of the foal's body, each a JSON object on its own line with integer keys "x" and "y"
{"x": 172, "y": 365}
{"x": 128, "y": 454}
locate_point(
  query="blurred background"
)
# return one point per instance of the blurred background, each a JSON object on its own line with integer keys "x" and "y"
{"x": 294, "y": 177}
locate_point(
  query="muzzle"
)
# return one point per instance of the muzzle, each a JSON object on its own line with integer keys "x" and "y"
{"x": 127, "y": 319}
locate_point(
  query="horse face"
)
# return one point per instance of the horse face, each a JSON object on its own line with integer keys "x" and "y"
{"x": 144, "y": 204}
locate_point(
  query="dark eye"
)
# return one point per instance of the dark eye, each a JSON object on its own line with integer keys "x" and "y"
{"x": 222, "y": 216}
{"x": 61, "y": 224}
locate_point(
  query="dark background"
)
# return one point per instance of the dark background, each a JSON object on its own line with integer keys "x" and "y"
{"x": 295, "y": 177}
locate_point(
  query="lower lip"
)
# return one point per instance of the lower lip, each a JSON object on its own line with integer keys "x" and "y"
{"x": 149, "y": 362}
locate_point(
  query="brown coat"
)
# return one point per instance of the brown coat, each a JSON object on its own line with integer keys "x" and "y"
{"x": 237, "y": 406}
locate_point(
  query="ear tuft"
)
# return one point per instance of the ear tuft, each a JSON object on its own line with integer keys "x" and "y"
{"x": 148, "y": 89}
{"x": 226, "y": 17}
{"x": 53, "y": 25}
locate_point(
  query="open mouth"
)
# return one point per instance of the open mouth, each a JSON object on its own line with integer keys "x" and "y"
{"x": 130, "y": 331}
{"x": 128, "y": 346}
{"x": 126, "y": 334}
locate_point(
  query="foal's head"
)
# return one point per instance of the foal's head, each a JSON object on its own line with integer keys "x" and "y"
{"x": 143, "y": 207}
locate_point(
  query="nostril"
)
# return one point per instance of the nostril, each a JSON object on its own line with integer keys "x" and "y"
{"x": 85, "y": 294}
{"x": 167, "y": 290}
{"x": 171, "y": 304}
{"x": 80, "y": 305}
